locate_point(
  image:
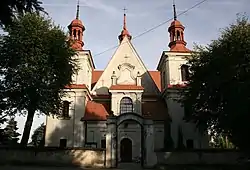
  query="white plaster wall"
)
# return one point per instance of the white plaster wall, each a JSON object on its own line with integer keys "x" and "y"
{"x": 174, "y": 61}
{"x": 72, "y": 129}
{"x": 125, "y": 53}
{"x": 171, "y": 63}
{"x": 135, "y": 97}
{"x": 176, "y": 111}
{"x": 84, "y": 74}
{"x": 132, "y": 132}
{"x": 96, "y": 131}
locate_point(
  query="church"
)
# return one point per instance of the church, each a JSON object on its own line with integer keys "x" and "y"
{"x": 126, "y": 109}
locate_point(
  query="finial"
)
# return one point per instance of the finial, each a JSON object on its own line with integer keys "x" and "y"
{"x": 175, "y": 16}
{"x": 77, "y": 12}
{"x": 124, "y": 19}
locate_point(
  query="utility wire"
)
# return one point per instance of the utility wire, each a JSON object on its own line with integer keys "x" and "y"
{"x": 153, "y": 28}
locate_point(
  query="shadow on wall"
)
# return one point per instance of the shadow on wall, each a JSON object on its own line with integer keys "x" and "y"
{"x": 53, "y": 154}
{"x": 71, "y": 133}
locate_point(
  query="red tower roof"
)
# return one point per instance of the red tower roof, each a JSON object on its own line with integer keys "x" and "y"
{"x": 124, "y": 31}
{"x": 76, "y": 29}
{"x": 176, "y": 30}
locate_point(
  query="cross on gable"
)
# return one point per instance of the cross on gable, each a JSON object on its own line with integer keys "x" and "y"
{"x": 126, "y": 57}
{"x": 124, "y": 10}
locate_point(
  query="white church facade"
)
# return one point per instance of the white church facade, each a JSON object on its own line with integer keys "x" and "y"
{"x": 127, "y": 109}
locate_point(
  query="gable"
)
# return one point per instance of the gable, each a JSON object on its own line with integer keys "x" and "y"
{"x": 126, "y": 65}
{"x": 155, "y": 75}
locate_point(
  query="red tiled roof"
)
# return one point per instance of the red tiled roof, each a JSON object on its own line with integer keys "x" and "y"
{"x": 96, "y": 111}
{"x": 179, "y": 47}
{"x": 156, "y": 110}
{"x": 177, "y": 85}
{"x": 96, "y": 74}
{"x": 101, "y": 96}
{"x": 125, "y": 87}
{"x": 156, "y": 76}
{"x": 76, "y": 86}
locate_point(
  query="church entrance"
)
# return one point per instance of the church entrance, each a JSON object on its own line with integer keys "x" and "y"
{"x": 126, "y": 150}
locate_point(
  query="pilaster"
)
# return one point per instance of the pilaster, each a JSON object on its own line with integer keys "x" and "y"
{"x": 150, "y": 156}
{"x": 111, "y": 138}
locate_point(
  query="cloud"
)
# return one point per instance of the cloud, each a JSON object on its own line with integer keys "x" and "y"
{"x": 98, "y": 4}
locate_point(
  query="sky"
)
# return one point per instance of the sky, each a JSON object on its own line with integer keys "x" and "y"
{"x": 103, "y": 21}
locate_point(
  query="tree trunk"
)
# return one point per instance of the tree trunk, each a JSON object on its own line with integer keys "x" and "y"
{"x": 27, "y": 127}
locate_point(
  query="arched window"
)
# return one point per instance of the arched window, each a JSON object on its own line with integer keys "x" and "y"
{"x": 174, "y": 38}
{"x": 178, "y": 35}
{"x": 79, "y": 35}
{"x": 65, "y": 109}
{"x": 126, "y": 105}
{"x": 184, "y": 72}
{"x": 74, "y": 32}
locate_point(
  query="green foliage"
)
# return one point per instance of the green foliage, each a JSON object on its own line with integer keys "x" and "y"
{"x": 222, "y": 142}
{"x": 36, "y": 63}
{"x": 38, "y": 137}
{"x": 9, "y": 9}
{"x": 218, "y": 92}
{"x": 10, "y": 132}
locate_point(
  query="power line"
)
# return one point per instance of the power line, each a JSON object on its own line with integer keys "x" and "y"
{"x": 153, "y": 28}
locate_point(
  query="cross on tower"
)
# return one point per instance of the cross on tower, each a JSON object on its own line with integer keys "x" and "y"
{"x": 124, "y": 9}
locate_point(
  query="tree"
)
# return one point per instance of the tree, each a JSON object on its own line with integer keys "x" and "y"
{"x": 10, "y": 132}
{"x": 9, "y": 9}
{"x": 36, "y": 62}
{"x": 38, "y": 137}
{"x": 221, "y": 141}
{"x": 218, "y": 91}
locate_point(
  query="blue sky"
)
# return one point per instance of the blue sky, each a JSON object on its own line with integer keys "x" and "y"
{"x": 103, "y": 21}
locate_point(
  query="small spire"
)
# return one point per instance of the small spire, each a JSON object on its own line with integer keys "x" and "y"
{"x": 175, "y": 16}
{"x": 77, "y": 11}
{"x": 124, "y": 19}
{"x": 124, "y": 30}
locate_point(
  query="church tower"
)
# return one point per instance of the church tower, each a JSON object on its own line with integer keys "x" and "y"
{"x": 176, "y": 31}
{"x": 124, "y": 31}
{"x": 76, "y": 29}
{"x": 84, "y": 57}
{"x": 172, "y": 65}
{"x": 67, "y": 125}
{"x": 175, "y": 76}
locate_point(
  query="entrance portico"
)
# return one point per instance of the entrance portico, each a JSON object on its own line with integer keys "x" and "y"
{"x": 120, "y": 146}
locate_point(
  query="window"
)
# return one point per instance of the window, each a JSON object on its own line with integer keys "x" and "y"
{"x": 103, "y": 143}
{"x": 190, "y": 144}
{"x": 126, "y": 105}
{"x": 63, "y": 143}
{"x": 184, "y": 72}
{"x": 178, "y": 35}
{"x": 74, "y": 32}
{"x": 174, "y": 38}
{"x": 79, "y": 35}
{"x": 65, "y": 109}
